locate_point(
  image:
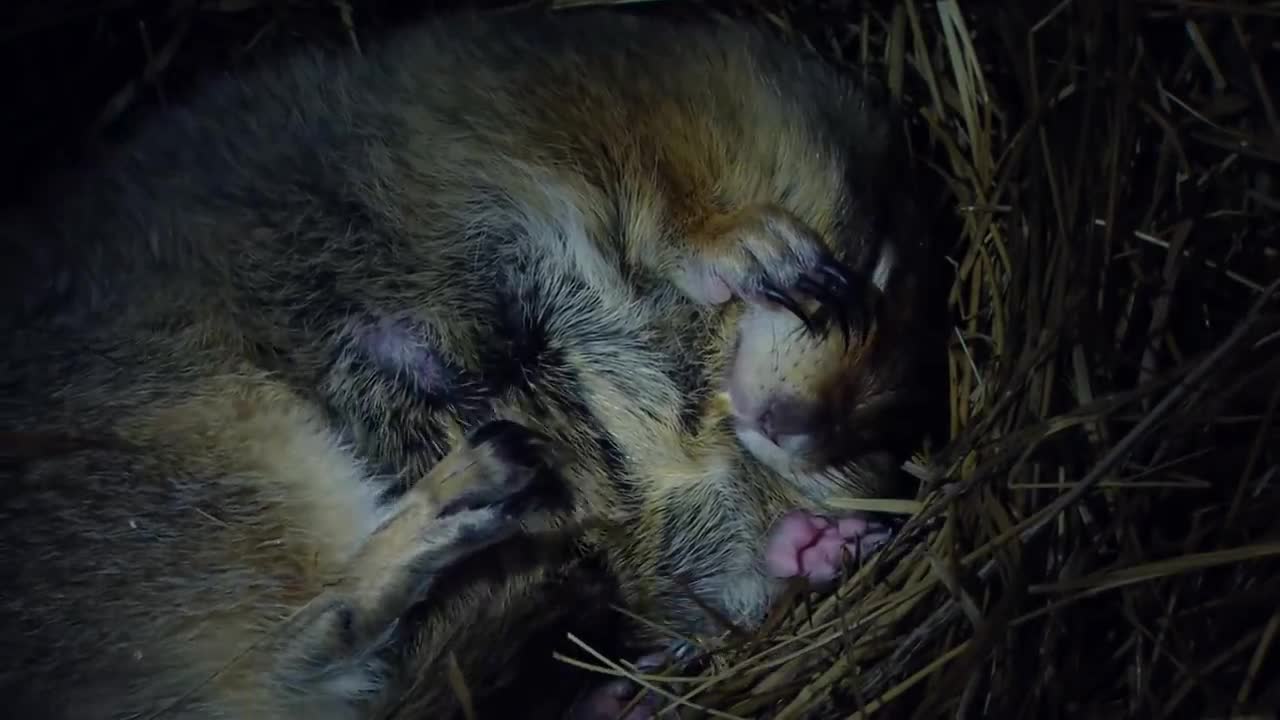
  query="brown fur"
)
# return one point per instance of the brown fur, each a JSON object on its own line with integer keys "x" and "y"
{"x": 309, "y": 284}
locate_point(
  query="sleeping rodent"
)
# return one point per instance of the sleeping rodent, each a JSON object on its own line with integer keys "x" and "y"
{"x": 681, "y": 253}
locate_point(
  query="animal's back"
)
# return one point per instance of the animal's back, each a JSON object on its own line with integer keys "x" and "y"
{"x": 450, "y": 137}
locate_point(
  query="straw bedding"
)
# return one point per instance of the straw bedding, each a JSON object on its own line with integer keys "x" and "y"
{"x": 1096, "y": 532}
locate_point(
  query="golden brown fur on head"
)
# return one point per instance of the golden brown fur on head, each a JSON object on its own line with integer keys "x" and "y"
{"x": 588, "y": 224}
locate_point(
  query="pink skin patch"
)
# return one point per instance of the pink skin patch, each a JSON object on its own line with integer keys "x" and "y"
{"x": 398, "y": 348}
{"x": 608, "y": 701}
{"x": 802, "y": 544}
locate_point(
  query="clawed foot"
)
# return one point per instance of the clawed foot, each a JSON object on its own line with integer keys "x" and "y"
{"x": 616, "y": 700}
{"x": 765, "y": 256}
{"x": 802, "y": 544}
{"x": 498, "y": 469}
{"x": 470, "y": 501}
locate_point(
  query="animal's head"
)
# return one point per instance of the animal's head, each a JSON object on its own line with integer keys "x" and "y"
{"x": 830, "y": 396}
{"x": 828, "y": 393}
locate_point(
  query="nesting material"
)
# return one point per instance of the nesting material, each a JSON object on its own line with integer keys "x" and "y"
{"x": 1097, "y": 535}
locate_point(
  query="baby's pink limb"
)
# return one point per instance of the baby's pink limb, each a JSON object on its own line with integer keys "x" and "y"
{"x": 802, "y": 544}
{"x": 607, "y": 701}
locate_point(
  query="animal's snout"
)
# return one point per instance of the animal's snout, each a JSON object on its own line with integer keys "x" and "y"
{"x": 778, "y": 419}
{"x": 784, "y": 418}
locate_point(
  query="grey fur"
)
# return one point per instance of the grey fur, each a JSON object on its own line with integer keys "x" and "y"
{"x": 284, "y": 302}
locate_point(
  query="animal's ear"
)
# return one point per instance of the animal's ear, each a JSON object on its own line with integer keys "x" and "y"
{"x": 886, "y": 265}
{"x": 900, "y": 278}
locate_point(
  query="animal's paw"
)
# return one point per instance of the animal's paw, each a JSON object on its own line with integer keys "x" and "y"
{"x": 498, "y": 470}
{"x": 802, "y": 544}
{"x": 767, "y": 257}
{"x": 621, "y": 699}
{"x": 616, "y": 700}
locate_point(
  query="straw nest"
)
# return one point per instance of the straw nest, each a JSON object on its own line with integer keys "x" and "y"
{"x": 1097, "y": 534}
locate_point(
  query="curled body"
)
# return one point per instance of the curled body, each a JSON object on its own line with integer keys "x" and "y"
{"x": 680, "y": 253}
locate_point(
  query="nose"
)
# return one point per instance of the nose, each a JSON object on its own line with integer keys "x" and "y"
{"x": 785, "y": 417}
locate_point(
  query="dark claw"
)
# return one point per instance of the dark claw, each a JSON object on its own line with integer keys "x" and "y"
{"x": 524, "y": 451}
{"x": 518, "y": 441}
{"x": 785, "y": 301}
{"x": 517, "y": 445}
{"x": 818, "y": 290}
{"x": 836, "y": 273}
{"x": 841, "y": 276}
{"x": 846, "y": 329}
{"x": 865, "y": 311}
{"x": 831, "y": 300}
{"x": 862, "y": 319}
